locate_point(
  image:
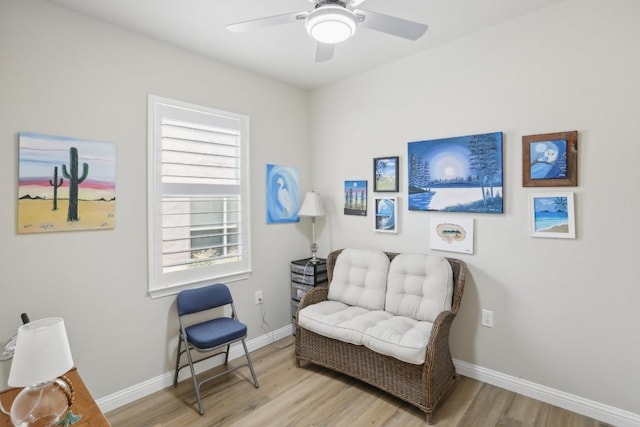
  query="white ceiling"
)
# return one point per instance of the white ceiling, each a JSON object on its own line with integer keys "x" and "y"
{"x": 286, "y": 52}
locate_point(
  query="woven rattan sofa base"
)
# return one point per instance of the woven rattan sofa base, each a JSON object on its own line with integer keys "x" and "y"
{"x": 401, "y": 379}
{"x": 423, "y": 386}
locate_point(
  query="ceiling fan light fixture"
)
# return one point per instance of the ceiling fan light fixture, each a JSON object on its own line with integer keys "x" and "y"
{"x": 331, "y": 24}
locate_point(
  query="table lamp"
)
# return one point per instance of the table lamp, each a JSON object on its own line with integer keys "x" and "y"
{"x": 42, "y": 354}
{"x": 312, "y": 206}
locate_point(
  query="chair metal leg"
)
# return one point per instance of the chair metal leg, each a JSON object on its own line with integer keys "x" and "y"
{"x": 253, "y": 373}
{"x": 175, "y": 377}
{"x": 196, "y": 386}
{"x": 226, "y": 355}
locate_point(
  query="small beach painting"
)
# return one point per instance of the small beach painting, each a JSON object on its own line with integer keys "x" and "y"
{"x": 65, "y": 184}
{"x": 459, "y": 174}
{"x": 282, "y": 196}
{"x": 355, "y": 198}
{"x": 552, "y": 215}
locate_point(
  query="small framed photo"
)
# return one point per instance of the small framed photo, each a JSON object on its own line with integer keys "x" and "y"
{"x": 386, "y": 214}
{"x": 385, "y": 174}
{"x": 550, "y": 160}
{"x": 355, "y": 198}
{"x": 552, "y": 215}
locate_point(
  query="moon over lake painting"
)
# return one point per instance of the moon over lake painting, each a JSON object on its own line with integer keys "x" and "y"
{"x": 65, "y": 184}
{"x": 459, "y": 174}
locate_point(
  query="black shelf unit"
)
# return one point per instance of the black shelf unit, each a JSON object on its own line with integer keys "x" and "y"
{"x": 306, "y": 275}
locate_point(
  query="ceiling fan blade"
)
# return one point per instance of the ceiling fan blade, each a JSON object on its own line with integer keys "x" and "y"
{"x": 269, "y": 21}
{"x": 391, "y": 25}
{"x": 324, "y": 52}
{"x": 356, "y": 3}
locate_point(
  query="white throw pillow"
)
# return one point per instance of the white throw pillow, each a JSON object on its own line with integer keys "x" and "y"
{"x": 420, "y": 286}
{"x": 360, "y": 278}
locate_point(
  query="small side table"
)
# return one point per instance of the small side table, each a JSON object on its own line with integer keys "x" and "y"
{"x": 83, "y": 404}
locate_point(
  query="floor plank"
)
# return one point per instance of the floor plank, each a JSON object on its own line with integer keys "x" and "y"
{"x": 314, "y": 396}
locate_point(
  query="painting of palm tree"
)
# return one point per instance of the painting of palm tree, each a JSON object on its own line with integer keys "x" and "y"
{"x": 552, "y": 215}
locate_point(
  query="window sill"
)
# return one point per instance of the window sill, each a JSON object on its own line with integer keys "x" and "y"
{"x": 175, "y": 289}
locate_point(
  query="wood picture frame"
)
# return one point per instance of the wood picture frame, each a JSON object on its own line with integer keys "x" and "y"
{"x": 386, "y": 174}
{"x": 550, "y": 160}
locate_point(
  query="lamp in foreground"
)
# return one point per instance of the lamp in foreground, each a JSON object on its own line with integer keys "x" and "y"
{"x": 42, "y": 354}
{"x": 331, "y": 24}
{"x": 312, "y": 206}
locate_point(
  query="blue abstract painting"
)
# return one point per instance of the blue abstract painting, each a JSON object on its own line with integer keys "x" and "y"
{"x": 386, "y": 211}
{"x": 282, "y": 197}
{"x": 459, "y": 174}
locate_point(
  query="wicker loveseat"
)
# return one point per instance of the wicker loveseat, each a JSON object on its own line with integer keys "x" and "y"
{"x": 344, "y": 327}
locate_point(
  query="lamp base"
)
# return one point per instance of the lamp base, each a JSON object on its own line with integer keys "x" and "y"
{"x": 41, "y": 405}
{"x": 314, "y": 253}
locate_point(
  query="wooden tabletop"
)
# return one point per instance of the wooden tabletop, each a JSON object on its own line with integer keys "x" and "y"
{"x": 83, "y": 404}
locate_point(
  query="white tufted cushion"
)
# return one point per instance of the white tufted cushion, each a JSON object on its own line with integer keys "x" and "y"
{"x": 360, "y": 278}
{"x": 337, "y": 320}
{"x": 419, "y": 286}
{"x": 401, "y": 337}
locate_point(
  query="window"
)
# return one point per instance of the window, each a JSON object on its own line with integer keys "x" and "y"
{"x": 198, "y": 196}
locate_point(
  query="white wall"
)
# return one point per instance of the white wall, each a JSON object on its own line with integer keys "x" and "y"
{"x": 566, "y": 311}
{"x": 62, "y": 73}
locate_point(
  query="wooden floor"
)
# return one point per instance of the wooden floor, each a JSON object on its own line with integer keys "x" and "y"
{"x": 313, "y": 396}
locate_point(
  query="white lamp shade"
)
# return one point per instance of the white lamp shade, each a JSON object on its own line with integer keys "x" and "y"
{"x": 331, "y": 24}
{"x": 42, "y": 353}
{"x": 311, "y": 205}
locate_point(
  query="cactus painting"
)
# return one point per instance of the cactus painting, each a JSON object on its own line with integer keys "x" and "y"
{"x": 74, "y": 180}
{"x": 55, "y": 184}
{"x": 83, "y": 187}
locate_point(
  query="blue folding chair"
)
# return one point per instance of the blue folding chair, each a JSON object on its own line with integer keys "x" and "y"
{"x": 215, "y": 335}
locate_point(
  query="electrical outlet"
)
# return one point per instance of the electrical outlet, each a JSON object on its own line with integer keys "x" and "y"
{"x": 258, "y": 297}
{"x": 487, "y": 318}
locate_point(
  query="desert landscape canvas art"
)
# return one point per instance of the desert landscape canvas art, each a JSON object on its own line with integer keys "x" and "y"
{"x": 65, "y": 184}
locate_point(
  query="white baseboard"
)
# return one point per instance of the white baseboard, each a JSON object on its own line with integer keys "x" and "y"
{"x": 589, "y": 408}
{"x": 138, "y": 391}
{"x": 577, "y": 404}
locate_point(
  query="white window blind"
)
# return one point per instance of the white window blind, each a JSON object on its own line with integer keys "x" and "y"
{"x": 198, "y": 196}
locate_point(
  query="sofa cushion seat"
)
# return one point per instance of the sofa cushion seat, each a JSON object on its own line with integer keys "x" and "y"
{"x": 401, "y": 337}
{"x": 339, "y": 321}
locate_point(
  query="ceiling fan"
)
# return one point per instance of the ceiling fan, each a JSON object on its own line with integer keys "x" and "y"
{"x": 334, "y": 21}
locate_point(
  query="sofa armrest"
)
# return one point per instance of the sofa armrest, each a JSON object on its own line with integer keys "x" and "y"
{"x": 314, "y": 296}
{"x": 438, "y": 361}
